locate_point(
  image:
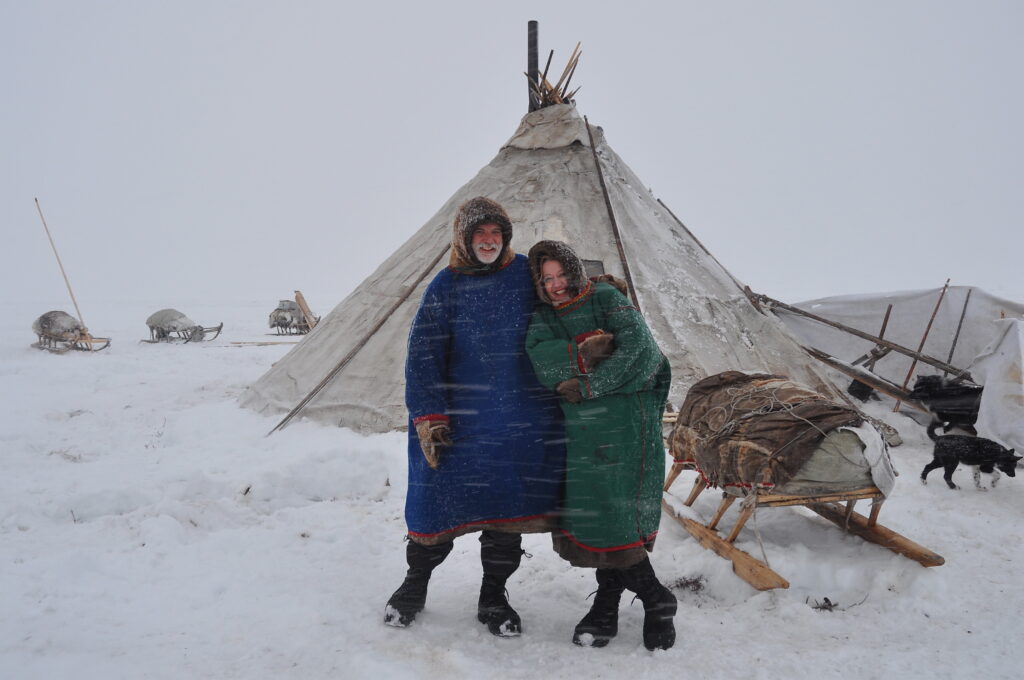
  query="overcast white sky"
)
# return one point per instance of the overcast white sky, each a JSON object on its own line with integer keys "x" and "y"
{"x": 240, "y": 149}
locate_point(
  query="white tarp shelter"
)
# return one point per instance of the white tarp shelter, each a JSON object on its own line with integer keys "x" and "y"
{"x": 988, "y": 345}
{"x": 908, "y": 320}
{"x": 1000, "y": 368}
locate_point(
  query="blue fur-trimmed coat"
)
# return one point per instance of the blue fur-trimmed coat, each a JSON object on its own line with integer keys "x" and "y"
{"x": 467, "y": 364}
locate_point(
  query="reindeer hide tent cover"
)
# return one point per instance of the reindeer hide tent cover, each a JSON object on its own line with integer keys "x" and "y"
{"x": 547, "y": 179}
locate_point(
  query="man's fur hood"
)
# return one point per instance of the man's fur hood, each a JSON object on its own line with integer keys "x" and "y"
{"x": 571, "y": 265}
{"x": 469, "y": 216}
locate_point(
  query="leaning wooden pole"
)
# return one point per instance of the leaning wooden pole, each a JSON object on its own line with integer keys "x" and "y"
{"x": 359, "y": 345}
{"x": 61, "y": 265}
{"x": 923, "y": 358}
{"x": 924, "y": 338}
{"x": 611, "y": 216}
{"x": 959, "y": 325}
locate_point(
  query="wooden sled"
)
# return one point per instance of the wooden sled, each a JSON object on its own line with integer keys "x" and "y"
{"x": 185, "y": 336}
{"x": 83, "y": 343}
{"x": 829, "y": 506}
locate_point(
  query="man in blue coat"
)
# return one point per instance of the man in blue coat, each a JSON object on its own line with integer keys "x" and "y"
{"x": 486, "y": 440}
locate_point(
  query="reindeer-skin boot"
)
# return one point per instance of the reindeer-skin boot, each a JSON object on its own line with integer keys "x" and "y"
{"x": 601, "y": 623}
{"x": 411, "y": 596}
{"x": 659, "y": 605}
{"x": 500, "y": 554}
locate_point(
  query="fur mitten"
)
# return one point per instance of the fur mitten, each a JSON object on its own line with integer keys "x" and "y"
{"x": 596, "y": 349}
{"x": 433, "y": 434}
{"x": 570, "y": 390}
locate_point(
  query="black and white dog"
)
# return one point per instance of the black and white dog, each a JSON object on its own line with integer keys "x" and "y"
{"x": 983, "y": 454}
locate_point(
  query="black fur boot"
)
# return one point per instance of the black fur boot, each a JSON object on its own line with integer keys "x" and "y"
{"x": 500, "y": 554}
{"x": 409, "y": 599}
{"x": 601, "y": 623}
{"x": 659, "y": 605}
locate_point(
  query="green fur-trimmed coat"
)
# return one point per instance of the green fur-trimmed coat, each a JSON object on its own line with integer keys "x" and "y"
{"x": 615, "y": 465}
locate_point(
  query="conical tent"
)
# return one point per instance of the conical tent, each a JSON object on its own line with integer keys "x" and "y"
{"x": 555, "y": 183}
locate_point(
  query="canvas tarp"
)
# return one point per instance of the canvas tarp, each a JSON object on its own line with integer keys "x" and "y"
{"x": 1000, "y": 368}
{"x": 907, "y": 323}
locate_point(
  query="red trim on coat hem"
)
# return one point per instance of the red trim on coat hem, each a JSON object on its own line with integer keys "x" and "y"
{"x": 635, "y": 544}
{"x": 431, "y": 416}
{"x": 480, "y": 521}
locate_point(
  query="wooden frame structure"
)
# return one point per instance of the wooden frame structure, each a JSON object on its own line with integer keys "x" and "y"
{"x": 828, "y": 505}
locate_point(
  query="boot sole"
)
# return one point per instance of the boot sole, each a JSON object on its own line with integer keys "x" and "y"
{"x": 591, "y": 640}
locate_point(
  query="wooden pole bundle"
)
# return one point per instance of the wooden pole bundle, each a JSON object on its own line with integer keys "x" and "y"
{"x": 546, "y": 94}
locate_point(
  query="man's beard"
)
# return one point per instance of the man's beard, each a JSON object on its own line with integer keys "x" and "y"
{"x": 486, "y": 256}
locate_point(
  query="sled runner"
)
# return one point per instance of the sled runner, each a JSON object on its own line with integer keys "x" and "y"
{"x": 829, "y": 506}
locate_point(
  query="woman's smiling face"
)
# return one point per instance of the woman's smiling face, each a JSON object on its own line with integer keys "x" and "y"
{"x": 555, "y": 282}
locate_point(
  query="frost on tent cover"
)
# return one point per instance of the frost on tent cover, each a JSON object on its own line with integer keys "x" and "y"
{"x": 546, "y": 176}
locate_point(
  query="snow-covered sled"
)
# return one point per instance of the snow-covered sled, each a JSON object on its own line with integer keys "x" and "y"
{"x": 771, "y": 442}
{"x": 170, "y": 325}
{"x": 59, "y": 332}
{"x": 288, "y": 319}
{"x": 292, "y": 317}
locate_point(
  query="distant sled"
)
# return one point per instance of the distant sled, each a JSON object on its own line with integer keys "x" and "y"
{"x": 59, "y": 332}
{"x": 170, "y": 325}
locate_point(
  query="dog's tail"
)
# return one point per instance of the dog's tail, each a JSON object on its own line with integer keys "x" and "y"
{"x": 934, "y": 425}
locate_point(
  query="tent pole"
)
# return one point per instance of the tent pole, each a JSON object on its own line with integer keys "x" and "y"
{"x": 928, "y": 328}
{"x": 531, "y": 64}
{"x": 956, "y": 336}
{"x": 355, "y": 350}
{"x": 611, "y": 216}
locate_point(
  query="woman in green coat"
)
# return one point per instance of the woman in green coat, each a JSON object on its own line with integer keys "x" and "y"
{"x": 589, "y": 343}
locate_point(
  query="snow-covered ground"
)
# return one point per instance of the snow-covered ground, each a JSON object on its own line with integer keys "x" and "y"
{"x": 150, "y": 529}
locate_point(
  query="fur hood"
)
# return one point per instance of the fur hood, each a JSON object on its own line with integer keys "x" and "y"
{"x": 571, "y": 264}
{"x": 469, "y": 216}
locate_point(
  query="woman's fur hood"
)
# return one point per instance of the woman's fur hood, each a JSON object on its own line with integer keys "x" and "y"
{"x": 469, "y": 216}
{"x": 571, "y": 264}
